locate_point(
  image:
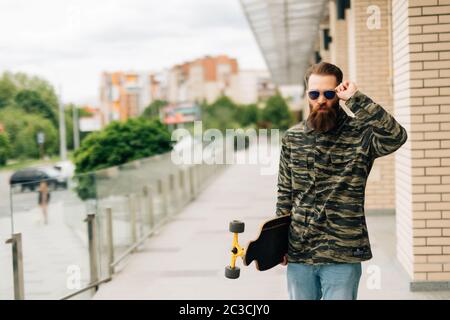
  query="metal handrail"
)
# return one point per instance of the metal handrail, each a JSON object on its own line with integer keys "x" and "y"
{"x": 16, "y": 241}
{"x": 91, "y": 286}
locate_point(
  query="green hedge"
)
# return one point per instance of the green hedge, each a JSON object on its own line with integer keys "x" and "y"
{"x": 5, "y": 148}
{"x": 117, "y": 144}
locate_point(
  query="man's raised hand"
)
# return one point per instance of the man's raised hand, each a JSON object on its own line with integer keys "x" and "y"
{"x": 345, "y": 90}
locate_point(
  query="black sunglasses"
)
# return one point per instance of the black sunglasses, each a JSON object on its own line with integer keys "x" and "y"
{"x": 314, "y": 94}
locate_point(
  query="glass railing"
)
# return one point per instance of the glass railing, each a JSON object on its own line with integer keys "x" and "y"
{"x": 91, "y": 222}
{"x": 53, "y": 233}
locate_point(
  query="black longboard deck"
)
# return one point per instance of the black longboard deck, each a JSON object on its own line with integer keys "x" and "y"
{"x": 271, "y": 245}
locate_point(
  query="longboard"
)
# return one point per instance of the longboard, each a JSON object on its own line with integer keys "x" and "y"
{"x": 267, "y": 250}
{"x": 271, "y": 245}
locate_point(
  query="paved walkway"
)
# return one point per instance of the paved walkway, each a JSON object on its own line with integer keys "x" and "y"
{"x": 186, "y": 259}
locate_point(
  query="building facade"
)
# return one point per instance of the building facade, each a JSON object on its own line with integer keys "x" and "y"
{"x": 126, "y": 94}
{"x": 202, "y": 79}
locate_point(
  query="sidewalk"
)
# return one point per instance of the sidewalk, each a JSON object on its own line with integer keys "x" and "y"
{"x": 186, "y": 260}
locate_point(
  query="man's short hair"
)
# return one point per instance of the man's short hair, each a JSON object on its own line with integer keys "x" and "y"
{"x": 324, "y": 68}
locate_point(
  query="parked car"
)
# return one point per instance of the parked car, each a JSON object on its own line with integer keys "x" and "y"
{"x": 66, "y": 170}
{"x": 30, "y": 178}
{"x": 56, "y": 180}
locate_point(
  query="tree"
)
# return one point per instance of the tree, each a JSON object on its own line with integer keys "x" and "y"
{"x": 45, "y": 89}
{"x": 117, "y": 144}
{"x": 222, "y": 114}
{"x": 28, "y": 104}
{"x": 276, "y": 112}
{"x": 32, "y": 102}
{"x": 249, "y": 115}
{"x": 121, "y": 142}
{"x": 12, "y": 83}
{"x": 68, "y": 117}
{"x": 7, "y": 90}
{"x": 152, "y": 110}
{"x": 26, "y": 146}
{"x": 5, "y": 148}
{"x": 22, "y": 130}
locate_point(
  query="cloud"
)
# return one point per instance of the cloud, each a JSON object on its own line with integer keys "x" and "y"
{"x": 72, "y": 42}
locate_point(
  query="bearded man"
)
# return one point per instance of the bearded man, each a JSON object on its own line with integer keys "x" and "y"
{"x": 324, "y": 164}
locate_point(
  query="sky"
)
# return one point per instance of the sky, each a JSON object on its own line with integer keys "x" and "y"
{"x": 70, "y": 42}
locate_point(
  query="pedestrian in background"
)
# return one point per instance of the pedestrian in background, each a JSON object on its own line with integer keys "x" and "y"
{"x": 44, "y": 199}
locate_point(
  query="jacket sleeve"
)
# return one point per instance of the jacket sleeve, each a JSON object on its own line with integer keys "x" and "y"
{"x": 284, "y": 195}
{"x": 385, "y": 134}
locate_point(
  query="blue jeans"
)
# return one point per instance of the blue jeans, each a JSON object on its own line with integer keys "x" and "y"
{"x": 329, "y": 281}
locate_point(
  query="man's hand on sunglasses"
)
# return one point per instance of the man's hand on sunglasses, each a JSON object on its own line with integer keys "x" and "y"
{"x": 345, "y": 90}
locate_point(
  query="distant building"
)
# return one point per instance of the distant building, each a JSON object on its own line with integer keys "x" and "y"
{"x": 210, "y": 77}
{"x": 90, "y": 123}
{"x": 253, "y": 86}
{"x": 202, "y": 79}
{"x": 126, "y": 94}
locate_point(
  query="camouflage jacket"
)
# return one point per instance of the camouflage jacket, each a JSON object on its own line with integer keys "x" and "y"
{"x": 322, "y": 179}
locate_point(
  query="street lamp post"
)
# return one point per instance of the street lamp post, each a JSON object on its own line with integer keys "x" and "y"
{"x": 76, "y": 131}
{"x": 62, "y": 130}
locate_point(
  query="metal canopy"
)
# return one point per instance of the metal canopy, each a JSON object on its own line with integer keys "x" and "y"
{"x": 286, "y": 31}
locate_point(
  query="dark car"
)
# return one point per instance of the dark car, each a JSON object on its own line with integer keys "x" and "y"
{"x": 30, "y": 179}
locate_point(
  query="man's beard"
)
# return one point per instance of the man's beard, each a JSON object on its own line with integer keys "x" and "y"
{"x": 323, "y": 121}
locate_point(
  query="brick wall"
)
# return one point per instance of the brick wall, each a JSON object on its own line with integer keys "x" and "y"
{"x": 370, "y": 61}
{"x": 338, "y": 45}
{"x": 421, "y": 51}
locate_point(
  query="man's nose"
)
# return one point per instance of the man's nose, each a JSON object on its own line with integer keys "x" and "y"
{"x": 321, "y": 100}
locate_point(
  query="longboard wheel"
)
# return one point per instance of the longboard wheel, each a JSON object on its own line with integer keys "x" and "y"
{"x": 232, "y": 273}
{"x": 237, "y": 226}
